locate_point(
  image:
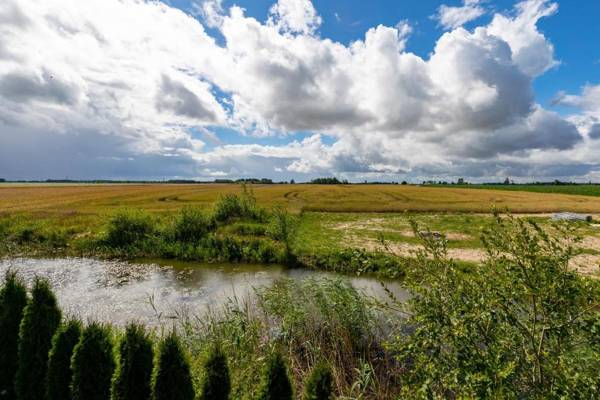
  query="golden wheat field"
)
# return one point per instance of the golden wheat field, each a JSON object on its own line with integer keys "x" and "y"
{"x": 332, "y": 198}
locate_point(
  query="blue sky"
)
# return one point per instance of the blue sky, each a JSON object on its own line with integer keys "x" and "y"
{"x": 377, "y": 90}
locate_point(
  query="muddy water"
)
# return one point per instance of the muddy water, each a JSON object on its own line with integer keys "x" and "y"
{"x": 153, "y": 294}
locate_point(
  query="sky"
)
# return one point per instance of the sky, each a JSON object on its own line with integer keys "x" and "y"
{"x": 382, "y": 90}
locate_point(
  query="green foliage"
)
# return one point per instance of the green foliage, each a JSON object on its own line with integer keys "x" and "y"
{"x": 192, "y": 225}
{"x": 58, "y": 384}
{"x": 41, "y": 318}
{"x": 93, "y": 364}
{"x": 172, "y": 379}
{"x": 216, "y": 384}
{"x": 319, "y": 385}
{"x": 13, "y": 299}
{"x": 243, "y": 206}
{"x": 132, "y": 379}
{"x": 283, "y": 228}
{"x": 128, "y": 228}
{"x": 522, "y": 325}
{"x": 275, "y": 383}
{"x": 324, "y": 313}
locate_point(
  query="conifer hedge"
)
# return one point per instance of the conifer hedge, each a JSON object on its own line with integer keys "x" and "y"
{"x": 172, "y": 379}
{"x": 13, "y": 299}
{"x": 276, "y": 383}
{"x": 93, "y": 364}
{"x": 216, "y": 384}
{"x": 132, "y": 379}
{"x": 41, "y": 318}
{"x": 58, "y": 383}
{"x": 319, "y": 385}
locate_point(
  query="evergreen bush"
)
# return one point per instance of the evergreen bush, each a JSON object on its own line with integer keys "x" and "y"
{"x": 319, "y": 385}
{"x": 216, "y": 384}
{"x": 59, "y": 360}
{"x": 132, "y": 379}
{"x": 13, "y": 299}
{"x": 93, "y": 364}
{"x": 41, "y": 318}
{"x": 276, "y": 383}
{"x": 172, "y": 379}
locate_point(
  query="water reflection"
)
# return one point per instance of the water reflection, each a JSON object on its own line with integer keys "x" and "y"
{"x": 154, "y": 293}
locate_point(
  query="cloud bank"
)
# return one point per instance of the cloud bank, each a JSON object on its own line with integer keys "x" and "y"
{"x": 129, "y": 88}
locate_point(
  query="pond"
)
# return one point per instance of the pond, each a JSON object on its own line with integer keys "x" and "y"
{"x": 155, "y": 293}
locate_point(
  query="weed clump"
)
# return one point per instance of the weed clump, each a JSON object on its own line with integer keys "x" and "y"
{"x": 13, "y": 299}
{"x": 192, "y": 225}
{"x": 127, "y": 228}
{"x": 243, "y": 206}
{"x": 216, "y": 384}
{"x": 59, "y": 360}
{"x": 132, "y": 379}
{"x": 275, "y": 383}
{"x": 172, "y": 379}
{"x": 41, "y": 318}
{"x": 93, "y": 364}
{"x": 319, "y": 385}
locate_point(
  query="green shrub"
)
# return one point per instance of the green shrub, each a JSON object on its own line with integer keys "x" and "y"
{"x": 93, "y": 364}
{"x": 243, "y": 206}
{"x": 172, "y": 379}
{"x": 319, "y": 385}
{"x": 132, "y": 379}
{"x": 216, "y": 384}
{"x": 41, "y": 318}
{"x": 275, "y": 383}
{"x": 13, "y": 299}
{"x": 521, "y": 325}
{"x": 192, "y": 225}
{"x": 58, "y": 384}
{"x": 127, "y": 228}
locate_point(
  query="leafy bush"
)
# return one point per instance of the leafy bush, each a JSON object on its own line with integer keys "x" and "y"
{"x": 41, "y": 318}
{"x": 319, "y": 385}
{"x": 13, "y": 299}
{"x": 243, "y": 206}
{"x": 127, "y": 228}
{"x": 93, "y": 364}
{"x": 522, "y": 325}
{"x": 192, "y": 225}
{"x": 132, "y": 379}
{"x": 59, "y": 360}
{"x": 172, "y": 379}
{"x": 275, "y": 383}
{"x": 216, "y": 384}
{"x": 283, "y": 228}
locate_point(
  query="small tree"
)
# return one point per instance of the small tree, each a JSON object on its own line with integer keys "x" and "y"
{"x": 59, "y": 360}
{"x": 13, "y": 299}
{"x": 216, "y": 384}
{"x": 132, "y": 379}
{"x": 93, "y": 364}
{"x": 276, "y": 383}
{"x": 319, "y": 385}
{"x": 172, "y": 379}
{"x": 41, "y": 318}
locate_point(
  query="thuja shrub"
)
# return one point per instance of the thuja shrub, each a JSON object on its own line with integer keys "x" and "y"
{"x": 41, "y": 318}
{"x": 132, "y": 379}
{"x": 275, "y": 383}
{"x": 93, "y": 364}
{"x": 319, "y": 385}
{"x": 59, "y": 360}
{"x": 13, "y": 299}
{"x": 216, "y": 384}
{"x": 172, "y": 379}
